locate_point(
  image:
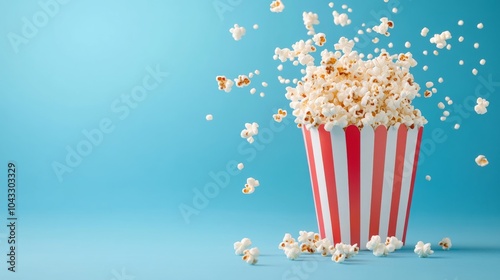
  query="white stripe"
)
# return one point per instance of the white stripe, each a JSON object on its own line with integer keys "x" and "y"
{"x": 341, "y": 177}
{"x": 411, "y": 144}
{"x": 320, "y": 176}
{"x": 311, "y": 175}
{"x": 367, "y": 150}
{"x": 390, "y": 162}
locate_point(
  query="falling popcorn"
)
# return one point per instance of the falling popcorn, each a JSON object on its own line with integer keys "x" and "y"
{"x": 319, "y": 39}
{"x": 341, "y": 19}
{"x": 423, "y": 250}
{"x": 209, "y": 117}
{"x": 251, "y": 129}
{"x": 481, "y": 160}
{"x": 280, "y": 115}
{"x": 242, "y": 81}
{"x": 428, "y": 177}
{"x": 238, "y": 32}
{"x": 481, "y": 106}
{"x": 250, "y": 186}
{"x": 445, "y": 243}
{"x": 424, "y": 32}
{"x": 225, "y": 84}
{"x": 440, "y": 39}
{"x": 251, "y": 256}
{"x": 277, "y": 6}
{"x": 310, "y": 19}
{"x": 240, "y": 166}
{"x": 241, "y": 246}
{"x": 384, "y": 26}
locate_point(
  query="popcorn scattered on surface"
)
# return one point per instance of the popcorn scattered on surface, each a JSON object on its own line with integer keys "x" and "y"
{"x": 341, "y": 251}
{"x": 423, "y": 250}
{"x": 238, "y": 32}
{"x": 482, "y": 61}
{"x": 209, "y": 117}
{"x": 250, "y": 186}
{"x": 440, "y": 39}
{"x": 277, "y": 6}
{"x": 481, "y": 106}
{"x": 323, "y": 247}
{"x": 341, "y": 19}
{"x": 424, "y": 32}
{"x": 338, "y": 258}
{"x": 343, "y": 90}
{"x": 292, "y": 251}
{"x": 251, "y": 256}
{"x": 280, "y": 115}
{"x": 308, "y": 240}
{"x": 457, "y": 126}
{"x": 241, "y": 246}
{"x": 481, "y": 160}
{"x": 319, "y": 39}
{"x": 476, "y": 45}
{"x": 480, "y": 25}
{"x": 225, "y": 84}
{"x": 240, "y": 166}
{"x": 255, "y": 26}
{"x": 460, "y": 22}
{"x": 384, "y": 26}
{"x": 310, "y": 19}
{"x": 428, "y": 177}
{"x": 445, "y": 243}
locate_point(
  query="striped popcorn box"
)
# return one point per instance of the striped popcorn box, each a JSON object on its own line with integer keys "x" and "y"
{"x": 362, "y": 180}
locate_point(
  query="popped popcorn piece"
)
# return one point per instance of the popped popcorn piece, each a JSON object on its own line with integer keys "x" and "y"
{"x": 250, "y": 75}
{"x": 481, "y": 160}
{"x": 257, "y": 72}
{"x": 242, "y": 81}
{"x": 474, "y": 71}
{"x": 446, "y": 113}
{"x": 375, "y": 40}
{"x": 292, "y": 251}
{"x": 344, "y": 6}
{"x": 480, "y": 25}
{"x": 238, "y": 32}
{"x": 393, "y": 243}
{"x": 429, "y": 84}
{"x": 447, "y": 98}
{"x": 435, "y": 52}
{"x": 264, "y": 84}
{"x": 427, "y": 93}
{"x": 240, "y": 166}
{"x": 384, "y": 26}
{"x": 425, "y": 68}
{"x": 280, "y": 115}
{"x": 308, "y": 240}
{"x": 424, "y": 32}
{"x": 349, "y": 10}
{"x": 277, "y": 6}
{"x": 280, "y": 67}
{"x": 347, "y": 250}
{"x": 460, "y": 22}
{"x": 425, "y": 52}
{"x": 390, "y": 45}
{"x": 441, "y": 105}
{"x": 440, "y": 80}
{"x": 251, "y": 256}
{"x": 338, "y": 258}
{"x": 250, "y": 185}
{"x": 476, "y": 45}
{"x": 319, "y": 39}
{"x": 310, "y": 19}
{"x": 423, "y": 250}
{"x": 457, "y": 126}
{"x": 395, "y": 10}
{"x": 445, "y": 243}
{"x": 262, "y": 94}
{"x": 287, "y": 240}
{"x": 253, "y": 91}
{"x": 461, "y": 39}
{"x": 209, "y": 117}
{"x": 443, "y": 118}
{"x": 461, "y": 62}
{"x": 450, "y": 102}
{"x": 428, "y": 177}
{"x": 341, "y": 19}
{"x": 440, "y": 39}
{"x": 241, "y": 246}
{"x": 448, "y": 47}
{"x": 373, "y": 242}
{"x": 407, "y": 45}
{"x": 250, "y": 131}
{"x": 482, "y": 61}
{"x": 331, "y": 4}
{"x": 225, "y": 84}
{"x": 323, "y": 247}
{"x": 255, "y": 26}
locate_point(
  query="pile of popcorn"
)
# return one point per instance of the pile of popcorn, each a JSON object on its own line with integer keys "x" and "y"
{"x": 347, "y": 90}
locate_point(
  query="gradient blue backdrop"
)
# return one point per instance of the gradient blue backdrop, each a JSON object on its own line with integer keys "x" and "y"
{"x": 117, "y": 214}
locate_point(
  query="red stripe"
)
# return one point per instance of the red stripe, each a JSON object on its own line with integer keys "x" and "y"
{"x": 398, "y": 178}
{"x": 328, "y": 164}
{"x": 415, "y": 163}
{"x": 314, "y": 180}
{"x": 353, "y": 143}
{"x": 378, "y": 178}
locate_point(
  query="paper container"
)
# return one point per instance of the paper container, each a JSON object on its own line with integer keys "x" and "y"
{"x": 362, "y": 180}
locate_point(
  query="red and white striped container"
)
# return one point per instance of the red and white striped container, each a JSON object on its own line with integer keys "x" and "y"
{"x": 362, "y": 180}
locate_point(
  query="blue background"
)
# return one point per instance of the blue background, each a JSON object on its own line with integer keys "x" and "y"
{"x": 117, "y": 213}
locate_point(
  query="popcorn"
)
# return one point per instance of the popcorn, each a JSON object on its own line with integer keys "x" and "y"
{"x": 448, "y": 47}
{"x": 393, "y": 243}
{"x": 319, "y": 39}
{"x": 280, "y": 115}
{"x": 424, "y": 32}
{"x": 373, "y": 243}
{"x": 251, "y": 256}
{"x": 264, "y": 84}
{"x": 255, "y": 26}
{"x": 457, "y": 126}
{"x": 310, "y": 19}
{"x": 461, "y": 62}
{"x": 395, "y": 10}
{"x": 425, "y": 52}
{"x": 308, "y": 240}
{"x": 250, "y": 131}
{"x": 440, "y": 80}
{"x": 480, "y": 25}
{"x": 209, "y": 117}
{"x": 440, "y": 39}
{"x": 292, "y": 251}
{"x": 277, "y": 6}
{"x": 481, "y": 160}
{"x": 450, "y": 102}
{"x": 240, "y": 166}
{"x": 427, "y": 93}
{"x": 253, "y": 91}
{"x": 242, "y": 81}
{"x": 262, "y": 94}
{"x": 407, "y": 45}
{"x": 287, "y": 240}
{"x": 380, "y": 250}
{"x": 241, "y": 246}
{"x": 435, "y": 52}
{"x": 280, "y": 67}
{"x": 476, "y": 45}
{"x": 425, "y": 68}
{"x": 481, "y": 106}
{"x": 341, "y": 19}
{"x": 443, "y": 118}
{"x": 429, "y": 84}
{"x": 461, "y": 39}
{"x": 344, "y": 6}
{"x": 348, "y": 251}
{"x": 257, "y": 72}
{"x": 423, "y": 250}
{"x": 460, "y": 22}
{"x": 250, "y": 186}
{"x": 323, "y": 247}
{"x": 446, "y": 113}
{"x": 441, "y": 105}
{"x": 345, "y": 89}
{"x": 331, "y": 4}
{"x": 225, "y": 84}
{"x": 238, "y": 32}
{"x": 384, "y": 26}
{"x": 338, "y": 258}
{"x": 390, "y": 45}
{"x": 445, "y": 243}
{"x": 375, "y": 40}
{"x": 428, "y": 177}
{"x": 482, "y": 62}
